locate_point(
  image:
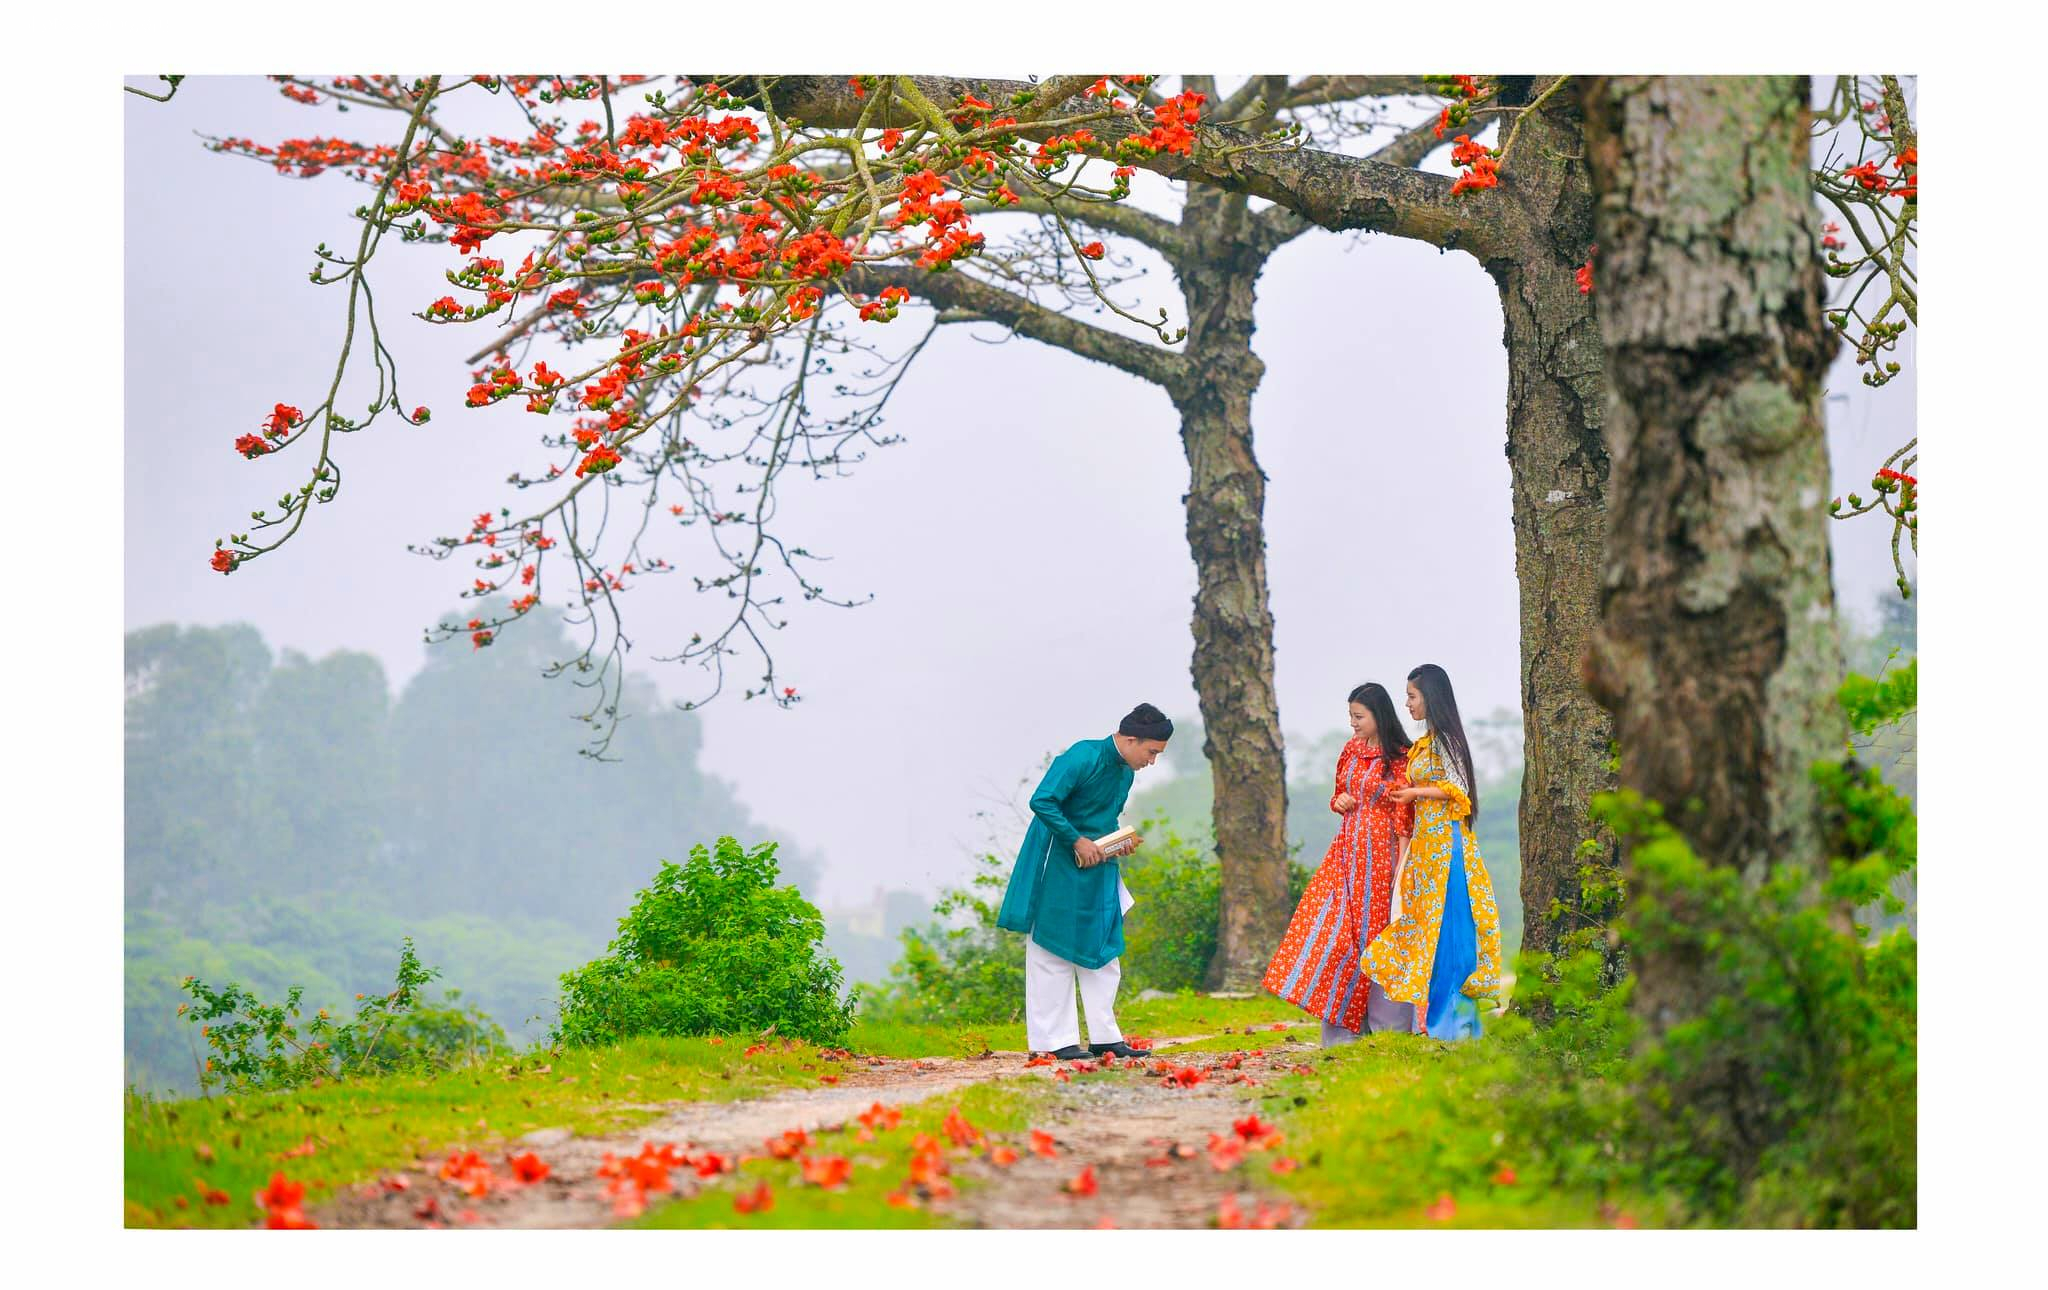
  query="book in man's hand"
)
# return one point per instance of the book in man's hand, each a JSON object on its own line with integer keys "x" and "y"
{"x": 1120, "y": 843}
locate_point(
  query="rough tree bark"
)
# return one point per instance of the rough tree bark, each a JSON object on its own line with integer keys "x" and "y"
{"x": 1716, "y": 650}
{"x": 1559, "y": 485}
{"x": 1233, "y": 620}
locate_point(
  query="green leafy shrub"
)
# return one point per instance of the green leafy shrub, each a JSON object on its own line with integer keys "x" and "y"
{"x": 1790, "y": 1100}
{"x": 712, "y": 947}
{"x": 255, "y": 1045}
{"x": 439, "y": 1037}
{"x": 962, "y": 967}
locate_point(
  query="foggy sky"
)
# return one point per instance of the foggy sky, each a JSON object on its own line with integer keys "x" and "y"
{"x": 1025, "y": 547}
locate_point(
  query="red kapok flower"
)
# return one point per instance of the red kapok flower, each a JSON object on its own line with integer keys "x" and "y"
{"x": 1093, "y": 251}
{"x": 1083, "y": 1183}
{"x": 282, "y": 1202}
{"x": 1442, "y": 1210}
{"x": 753, "y": 1202}
{"x": 224, "y": 560}
{"x": 282, "y": 418}
{"x": 827, "y": 1171}
{"x": 528, "y": 1168}
{"x": 1041, "y": 1144}
{"x": 1505, "y": 1176}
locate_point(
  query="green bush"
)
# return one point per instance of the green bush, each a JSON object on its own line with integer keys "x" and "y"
{"x": 257, "y": 1046}
{"x": 960, "y": 967}
{"x": 1170, "y": 933}
{"x": 963, "y": 968}
{"x": 1791, "y": 1099}
{"x": 713, "y": 947}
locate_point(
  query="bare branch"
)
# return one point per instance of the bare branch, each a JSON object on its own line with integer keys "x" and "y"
{"x": 957, "y": 291}
{"x": 1333, "y": 89}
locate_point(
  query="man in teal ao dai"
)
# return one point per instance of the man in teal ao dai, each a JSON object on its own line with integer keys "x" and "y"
{"x": 1067, "y": 895}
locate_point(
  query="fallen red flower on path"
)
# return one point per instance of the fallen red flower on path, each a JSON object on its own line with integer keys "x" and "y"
{"x": 754, "y": 1048}
{"x": 1228, "y": 1215}
{"x": 1105, "y": 1224}
{"x": 1083, "y": 1183}
{"x": 1003, "y": 1156}
{"x": 1225, "y": 1153}
{"x": 1041, "y": 1059}
{"x": 1251, "y": 1127}
{"x": 1186, "y": 1077}
{"x": 959, "y": 1130}
{"x": 1285, "y": 1165}
{"x": 751, "y": 1202}
{"x": 786, "y": 1145}
{"x": 828, "y": 1079}
{"x": 528, "y": 1168}
{"x": 281, "y": 1202}
{"x": 880, "y": 1117}
{"x": 1041, "y": 1144}
{"x": 827, "y": 1171}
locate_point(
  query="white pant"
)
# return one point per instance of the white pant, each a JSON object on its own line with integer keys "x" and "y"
{"x": 1049, "y": 1019}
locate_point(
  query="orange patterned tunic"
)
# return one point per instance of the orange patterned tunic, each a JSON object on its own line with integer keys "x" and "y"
{"x": 1347, "y": 902}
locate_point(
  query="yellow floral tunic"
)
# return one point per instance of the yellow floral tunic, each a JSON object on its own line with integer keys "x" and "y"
{"x": 1403, "y": 957}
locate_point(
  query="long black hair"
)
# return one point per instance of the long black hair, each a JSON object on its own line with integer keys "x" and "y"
{"x": 1440, "y": 709}
{"x": 1394, "y": 740}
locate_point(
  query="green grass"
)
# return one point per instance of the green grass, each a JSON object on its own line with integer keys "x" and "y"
{"x": 362, "y": 1128}
{"x": 1181, "y": 1014}
{"x": 1386, "y": 1125}
{"x": 1003, "y": 1110}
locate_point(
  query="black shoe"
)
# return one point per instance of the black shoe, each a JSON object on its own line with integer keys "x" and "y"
{"x": 1073, "y": 1053}
{"x": 1119, "y": 1049}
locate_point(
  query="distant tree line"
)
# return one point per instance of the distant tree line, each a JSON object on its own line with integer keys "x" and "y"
{"x": 289, "y": 819}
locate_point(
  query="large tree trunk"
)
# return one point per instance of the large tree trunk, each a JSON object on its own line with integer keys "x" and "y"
{"x": 1233, "y": 621}
{"x": 1559, "y": 464}
{"x": 1716, "y": 650}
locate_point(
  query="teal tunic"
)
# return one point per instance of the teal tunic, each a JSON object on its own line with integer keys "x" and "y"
{"x": 1071, "y": 911}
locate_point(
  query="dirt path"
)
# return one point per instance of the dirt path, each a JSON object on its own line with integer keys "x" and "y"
{"x": 1115, "y": 1124}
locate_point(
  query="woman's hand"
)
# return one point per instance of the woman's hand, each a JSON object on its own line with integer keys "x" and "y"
{"x": 1345, "y": 803}
{"x": 1408, "y": 792}
{"x": 1086, "y": 853}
